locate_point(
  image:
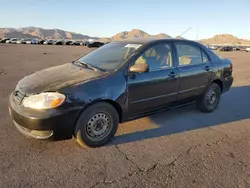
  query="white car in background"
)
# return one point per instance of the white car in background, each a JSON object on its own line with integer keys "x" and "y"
{"x": 21, "y": 41}
{"x": 247, "y": 49}
{"x": 12, "y": 41}
{"x": 28, "y": 41}
{"x": 213, "y": 47}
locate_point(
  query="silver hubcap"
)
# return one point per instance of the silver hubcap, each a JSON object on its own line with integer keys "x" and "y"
{"x": 211, "y": 97}
{"x": 98, "y": 126}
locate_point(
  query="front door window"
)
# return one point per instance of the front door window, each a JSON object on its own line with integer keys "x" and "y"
{"x": 157, "y": 57}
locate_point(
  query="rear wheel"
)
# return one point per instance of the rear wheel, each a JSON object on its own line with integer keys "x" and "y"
{"x": 209, "y": 101}
{"x": 96, "y": 125}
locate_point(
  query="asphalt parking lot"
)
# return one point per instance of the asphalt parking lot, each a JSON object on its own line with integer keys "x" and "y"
{"x": 177, "y": 148}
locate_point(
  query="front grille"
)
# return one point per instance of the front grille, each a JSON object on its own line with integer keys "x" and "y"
{"x": 18, "y": 95}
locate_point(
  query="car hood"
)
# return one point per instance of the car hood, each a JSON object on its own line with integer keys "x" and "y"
{"x": 55, "y": 78}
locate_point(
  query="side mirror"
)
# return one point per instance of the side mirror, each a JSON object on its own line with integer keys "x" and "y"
{"x": 139, "y": 68}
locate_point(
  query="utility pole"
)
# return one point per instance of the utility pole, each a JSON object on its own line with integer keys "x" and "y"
{"x": 197, "y": 36}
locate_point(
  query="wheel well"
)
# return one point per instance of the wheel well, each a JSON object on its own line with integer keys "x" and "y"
{"x": 116, "y": 106}
{"x": 219, "y": 83}
{"x": 113, "y": 103}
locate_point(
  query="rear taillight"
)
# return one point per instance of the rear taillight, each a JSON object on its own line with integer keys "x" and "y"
{"x": 231, "y": 67}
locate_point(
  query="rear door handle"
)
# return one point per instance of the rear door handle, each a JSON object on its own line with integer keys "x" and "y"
{"x": 207, "y": 68}
{"x": 172, "y": 75}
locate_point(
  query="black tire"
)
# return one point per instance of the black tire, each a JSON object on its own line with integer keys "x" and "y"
{"x": 204, "y": 103}
{"x": 85, "y": 130}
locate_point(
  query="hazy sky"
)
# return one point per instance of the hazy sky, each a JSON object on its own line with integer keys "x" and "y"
{"x": 105, "y": 18}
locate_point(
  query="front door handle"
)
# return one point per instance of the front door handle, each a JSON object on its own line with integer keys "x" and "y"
{"x": 172, "y": 75}
{"x": 207, "y": 68}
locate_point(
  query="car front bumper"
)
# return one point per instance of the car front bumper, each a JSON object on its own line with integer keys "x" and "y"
{"x": 44, "y": 134}
{"x": 51, "y": 124}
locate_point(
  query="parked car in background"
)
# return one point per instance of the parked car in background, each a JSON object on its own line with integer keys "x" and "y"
{"x": 21, "y": 41}
{"x": 58, "y": 42}
{"x": 34, "y": 41}
{"x": 95, "y": 44}
{"x": 213, "y": 47}
{"x": 75, "y": 43}
{"x": 24, "y": 41}
{"x": 45, "y": 42}
{"x": 4, "y": 40}
{"x": 28, "y": 41}
{"x": 237, "y": 48}
{"x": 242, "y": 48}
{"x": 115, "y": 83}
{"x": 49, "y": 42}
{"x": 63, "y": 42}
{"x": 84, "y": 43}
{"x": 7, "y": 41}
{"x": 41, "y": 41}
{"x": 226, "y": 48}
{"x": 247, "y": 49}
{"x": 12, "y": 41}
{"x": 67, "y": 42}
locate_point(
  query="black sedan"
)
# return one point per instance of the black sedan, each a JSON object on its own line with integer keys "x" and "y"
{"x": 95, "y": 44}
{"x": 58, "y": 42}
{"x": 75, "y": 43}
{"x": 115, "y": 83}
{"x": 67, "y": 42}
{"x": 41, "y": 41}
{"x": 226, "y": 48}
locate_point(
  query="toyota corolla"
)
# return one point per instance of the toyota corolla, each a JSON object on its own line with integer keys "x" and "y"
{"x": 118, "y": 82}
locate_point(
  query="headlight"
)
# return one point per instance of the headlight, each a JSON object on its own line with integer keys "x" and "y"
{"x": 44, "y": 100}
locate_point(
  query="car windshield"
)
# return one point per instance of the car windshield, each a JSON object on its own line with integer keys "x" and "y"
{"x": 109, "y": 56}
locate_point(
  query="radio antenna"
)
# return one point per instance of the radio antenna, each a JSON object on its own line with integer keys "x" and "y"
{"x": 185, "y": 32}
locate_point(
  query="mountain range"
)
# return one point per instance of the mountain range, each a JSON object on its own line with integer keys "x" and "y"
{"x": 225, "y": 39}
{"x": 136, "y": 33}
{"x": 36, "y": 32}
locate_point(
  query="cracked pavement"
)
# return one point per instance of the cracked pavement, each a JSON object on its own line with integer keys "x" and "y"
{"x": 178, "y": 148}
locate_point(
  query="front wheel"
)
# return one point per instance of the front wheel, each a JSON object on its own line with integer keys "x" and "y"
{"x": 209, "y": 101}
{"x": 96, "y": 125}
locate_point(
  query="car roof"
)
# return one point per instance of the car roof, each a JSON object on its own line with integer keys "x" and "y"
{"x": 150, "y": 40}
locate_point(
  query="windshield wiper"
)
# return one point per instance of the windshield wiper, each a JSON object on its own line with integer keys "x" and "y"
{"x": 89, "y": 66}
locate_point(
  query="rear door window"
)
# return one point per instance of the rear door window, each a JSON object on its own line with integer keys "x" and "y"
{"x": 189, "y": 54}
